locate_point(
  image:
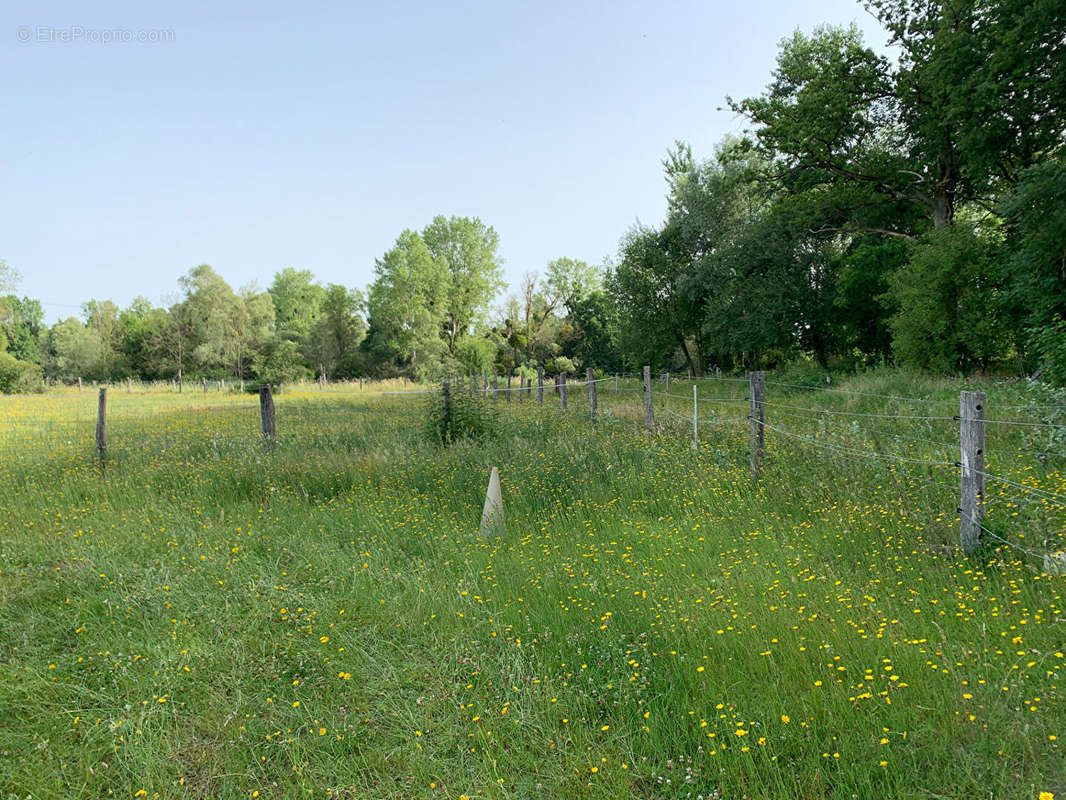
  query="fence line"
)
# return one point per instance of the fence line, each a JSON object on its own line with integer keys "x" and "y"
{"x": 1034, "y": 496}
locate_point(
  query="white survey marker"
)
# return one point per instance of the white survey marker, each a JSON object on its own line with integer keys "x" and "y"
{"x": 492, "y": 514}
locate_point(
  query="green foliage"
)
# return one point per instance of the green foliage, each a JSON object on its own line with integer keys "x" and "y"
{"x": 948, "y": 303}
{"x": 73, "y": 351}
{"x": 22, "y": 327}
{"x": 476, "y": 355}
{"x": 333, "y": 343}
{"x": 1049, "y": 348}
{"x": 1036, "y": 217}
{"x": 407, "y": 305}
{"x": 466, "y": 249}
{"x": 279, "y": 362}
{"x": 297, "y": 302}
{"x": 18, "y": 377}
{"x": 452, "y": 416}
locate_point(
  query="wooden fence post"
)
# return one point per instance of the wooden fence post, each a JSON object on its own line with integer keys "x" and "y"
{"x": 79, "y": 384}
{"x": 592, "y": 393}
{"x": 540, "y": 386}
{"x": 649, "y": 419}
{"x": 266, "y": 411}
{"x": 521, "y": 386}
{"x": 129, "y": 385}
{"x": 757, "y": 391}
{"x": 668, "y": 381}
{"x": 562, "y": 390}
{"x": 495, "y": 383}
{"x": 101, "y": 426}
{"x": 972, "y": 459}
{"x": 205, "y": 384}
{"x": 508, "y": 386}
{"x": 695, "y": 418}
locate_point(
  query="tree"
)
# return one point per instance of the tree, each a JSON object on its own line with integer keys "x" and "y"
{"x": 209, "y": 308}
{"x": 73, "y": 351}
{"x": 1036, "y": 242}
{"x": 467, "y": 250}
{"x": 596, "y": 320}
{"x": 571, "y": 280}
{"x": 973, "y": 100}
{"x": 138, "y": 327}
{"x": 297, "y": 302}
{"x": 173, "y": 336}
{"x": 24, "y": 327}
{"x": 250, "y": 328}
{"x": 653, "y": 290}
{"x": 102, "y": 316}
{"x": 948, "y": 303}
{"x": 407, "y": 307}
{"x": 334, "y": 339}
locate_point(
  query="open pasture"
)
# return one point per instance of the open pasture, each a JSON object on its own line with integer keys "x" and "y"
{"x": 212, "y": 617}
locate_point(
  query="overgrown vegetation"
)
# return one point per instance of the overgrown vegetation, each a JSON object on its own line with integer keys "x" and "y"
{"x": 454, "y": 415}
{"x": 211, "y": 618}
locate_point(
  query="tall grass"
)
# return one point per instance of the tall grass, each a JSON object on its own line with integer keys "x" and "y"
{"x": 212, "y": 618}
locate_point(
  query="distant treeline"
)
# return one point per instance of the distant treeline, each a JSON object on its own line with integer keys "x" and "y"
{"x": 908, "y": 210}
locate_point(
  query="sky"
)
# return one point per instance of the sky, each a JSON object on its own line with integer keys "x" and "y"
{"x": 258, "y": 136}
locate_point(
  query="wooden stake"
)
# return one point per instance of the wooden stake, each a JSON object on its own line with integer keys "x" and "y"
{"x": 540, "y": 386}
{"x": 695, "y": 418}
{"x": 649, "y": 418}
{"x": 266, "y": 411}
{"x": 972, "y": 459}
{"x": 508, "y": 386}
{"x": 592, "y": 393}
{"x": 562, "y": 390}
{"x": 101, "y": 427}
{"x": 757, "y": 390}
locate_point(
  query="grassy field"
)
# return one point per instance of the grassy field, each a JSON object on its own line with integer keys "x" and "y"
{"x": 214, "y": 618}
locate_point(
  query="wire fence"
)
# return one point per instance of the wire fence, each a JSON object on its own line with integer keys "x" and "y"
{"x": 912, "y": 442}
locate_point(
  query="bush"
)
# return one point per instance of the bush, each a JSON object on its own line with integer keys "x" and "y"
{"x": 1049, "y": 346}
{"x": 453, "y": 416}
{"x": 19, "y": 377}
{"x": 948, "y": 301}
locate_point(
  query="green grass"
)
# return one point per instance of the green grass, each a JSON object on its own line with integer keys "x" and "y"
{"x": 210, "y": 617}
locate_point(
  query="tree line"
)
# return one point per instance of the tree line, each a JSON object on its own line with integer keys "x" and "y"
{"x": 907, "y": 209}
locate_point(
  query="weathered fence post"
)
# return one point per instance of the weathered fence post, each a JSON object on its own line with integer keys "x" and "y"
{"x": 446, "y": 408}
{"x": 129, "y": 385}
{"x": 695, "y": 418}
{"x": 205, "y": 384}
{"x": 562, "y": 390}
{"x": 521, "y": 386}
{"x": 972, "y": 459}
{"x": 667, "y": 381}
{"x": 495, "y": 384}
{"x": 757, "y": 390}
{"x": 649, "y": 419}
{"x": 540, "y": 386}
{"x": 592, "y": 393}
{"x": 101, "y": 426}
{"x": 508, "y": 386}
{"x": 79, "y": 384}
{"x": 266, "y": 411}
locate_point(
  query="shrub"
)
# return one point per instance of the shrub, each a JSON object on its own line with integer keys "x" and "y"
{"x": 19, "y": 377}
{"x": 452, "y": 416}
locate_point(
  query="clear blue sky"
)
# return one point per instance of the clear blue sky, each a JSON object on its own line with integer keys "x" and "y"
{"x": 270, "y": 134}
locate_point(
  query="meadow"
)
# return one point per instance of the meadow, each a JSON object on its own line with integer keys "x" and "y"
{"x": 209, "y": 616}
